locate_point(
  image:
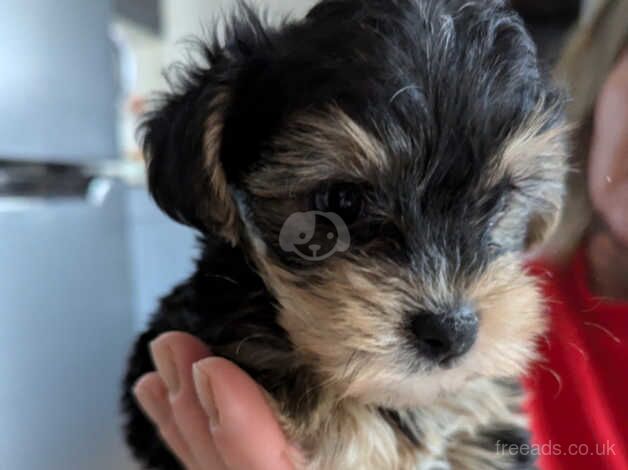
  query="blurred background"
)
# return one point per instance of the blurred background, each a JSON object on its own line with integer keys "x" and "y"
{"x": 84, "y": 253}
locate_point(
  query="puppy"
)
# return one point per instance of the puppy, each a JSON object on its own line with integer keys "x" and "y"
{"x": 365, "y": 182}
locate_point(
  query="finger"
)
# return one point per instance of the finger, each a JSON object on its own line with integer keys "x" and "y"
{"x": 174, "y": 354}
{"x": 608, "y": 165}
{"x": 239, "y": 415}
{"x": 152, "y": 396}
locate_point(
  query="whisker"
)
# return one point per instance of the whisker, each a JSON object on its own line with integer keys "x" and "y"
{"x": 579, "y": 349}
{"x": 247, "y": 338}
{"x": 402, "y": 90}
{"x": 556, "y": 376}
{"x": 604, "y": 329}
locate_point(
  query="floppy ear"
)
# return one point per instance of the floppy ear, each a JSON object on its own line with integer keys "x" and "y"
{"x": 184, "y": 138}
{"x": 535, "y": 160}
{"x": 182, "y": 142}
{"x": 547, "y": 192}
{"x": 546, "y": 186}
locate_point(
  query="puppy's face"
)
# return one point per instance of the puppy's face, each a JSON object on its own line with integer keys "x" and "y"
{"x": 385, "y": 166}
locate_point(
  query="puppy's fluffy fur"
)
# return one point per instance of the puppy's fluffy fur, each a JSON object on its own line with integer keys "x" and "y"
{"x": 434, "y": 121}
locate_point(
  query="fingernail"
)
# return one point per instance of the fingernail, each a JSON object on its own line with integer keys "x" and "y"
{"x": 149, "y": 402}
{"x": 163, "y": 358}
{"x": 206, "y": 396}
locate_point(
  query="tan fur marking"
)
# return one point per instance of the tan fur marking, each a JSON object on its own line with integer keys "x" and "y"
{"x": 351, "y": 324}
{"x": 315, "y": 147}
{"x": 535, "y": 159}
{"x": 220, "y": 205}
{"x": 532, "y": 150}
{"x": 511, "y": 318}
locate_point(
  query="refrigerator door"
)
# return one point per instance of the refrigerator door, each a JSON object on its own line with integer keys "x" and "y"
{"x": 65, "y": 310}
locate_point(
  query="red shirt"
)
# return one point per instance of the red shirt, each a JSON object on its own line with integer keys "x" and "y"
{"x": 579, "y": 394}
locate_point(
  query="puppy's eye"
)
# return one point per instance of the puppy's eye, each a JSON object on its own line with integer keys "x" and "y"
{"x": 343, "y": 199}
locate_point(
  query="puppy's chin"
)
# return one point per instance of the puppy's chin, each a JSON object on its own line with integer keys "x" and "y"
{"x": 382, "y": 383}
{"x": 393, "y": 389}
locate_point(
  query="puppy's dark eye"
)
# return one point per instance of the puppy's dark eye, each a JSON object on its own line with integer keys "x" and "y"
{"x": 343, "y": 199}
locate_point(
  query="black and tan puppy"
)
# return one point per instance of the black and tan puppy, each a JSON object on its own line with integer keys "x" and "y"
{"x": 365, "y": 182}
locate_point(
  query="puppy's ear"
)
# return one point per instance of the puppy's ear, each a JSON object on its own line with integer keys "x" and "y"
{"x": 535, "y": 159}
{"x": 546, "y": 187}
{"x": 183, "y": 138}
{"x": 182, "y": 141}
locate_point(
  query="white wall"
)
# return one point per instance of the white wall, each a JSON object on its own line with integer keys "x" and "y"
{"x": 189, "y": 16}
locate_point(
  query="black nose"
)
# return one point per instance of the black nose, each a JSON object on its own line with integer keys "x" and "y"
{"x": 443, "y": 337}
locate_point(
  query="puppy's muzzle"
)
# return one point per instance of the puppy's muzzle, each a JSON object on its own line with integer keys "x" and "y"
{"x": 444, "y": 337}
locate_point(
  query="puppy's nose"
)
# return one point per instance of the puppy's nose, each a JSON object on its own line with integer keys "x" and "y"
{"x": 443, "y": 337}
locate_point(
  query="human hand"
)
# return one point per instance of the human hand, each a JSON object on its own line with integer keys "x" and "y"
{"x": 608, "y": 185}
{"x": 208, "y": 411}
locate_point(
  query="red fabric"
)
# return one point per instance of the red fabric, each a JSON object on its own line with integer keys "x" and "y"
{"x": 579, "y": 394}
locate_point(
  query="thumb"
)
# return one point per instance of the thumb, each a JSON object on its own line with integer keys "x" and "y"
{"x": 244, "y": 428}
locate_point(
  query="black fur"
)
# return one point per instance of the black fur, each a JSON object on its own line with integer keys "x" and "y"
{"x": 406, "y": 426}
{"x": 512, "y": 441}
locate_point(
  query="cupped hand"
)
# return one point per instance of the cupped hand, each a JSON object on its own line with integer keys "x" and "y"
{"x": 209, "y": 412}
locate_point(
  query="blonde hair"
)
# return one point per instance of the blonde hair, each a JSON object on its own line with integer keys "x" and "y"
{"x": 589, "y": 56}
